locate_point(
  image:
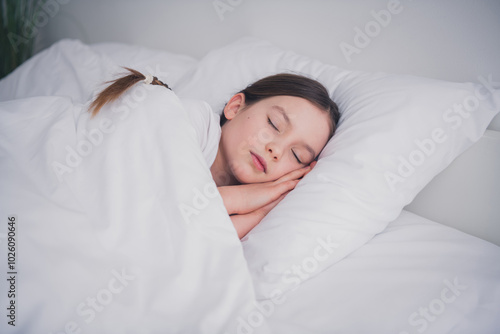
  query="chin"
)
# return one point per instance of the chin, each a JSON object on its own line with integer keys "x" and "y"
{"x": 244, "y": 176}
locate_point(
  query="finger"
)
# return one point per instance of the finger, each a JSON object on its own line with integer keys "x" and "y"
{"x": 295, "y": 174}
{"x": 286, "y": 186}
{"x": 249, "y": 197}
{"x": 309, "y": 167}
{"x": 312, "y": 166}
{"x": 268, "y": 207}
{"x": 276, "y": 191}
{"x": 282, "y": 196}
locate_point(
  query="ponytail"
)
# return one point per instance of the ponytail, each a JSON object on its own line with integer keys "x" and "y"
{"x": 118, "y": 87}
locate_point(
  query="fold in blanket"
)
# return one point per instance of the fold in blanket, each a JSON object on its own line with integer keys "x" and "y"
{"x": 120, "y": 227}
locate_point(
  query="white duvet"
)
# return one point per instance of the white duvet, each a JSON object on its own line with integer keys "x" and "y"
{"x": 119, "y": 228}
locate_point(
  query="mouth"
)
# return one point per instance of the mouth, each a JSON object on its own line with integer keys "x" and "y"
{"x": 259, "y": 162}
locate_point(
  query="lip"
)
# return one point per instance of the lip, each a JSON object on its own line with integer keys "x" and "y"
{"x": 259, "y": 162}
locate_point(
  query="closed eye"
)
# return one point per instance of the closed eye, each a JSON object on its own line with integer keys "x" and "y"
{"x": 296, "y": 157}
{"x": 271, "y": 123}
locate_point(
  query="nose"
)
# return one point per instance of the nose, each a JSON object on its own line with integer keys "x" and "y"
{"x": 274, "y": 151}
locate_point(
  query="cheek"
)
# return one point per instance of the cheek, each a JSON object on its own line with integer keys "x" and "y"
{"x": 284, "y": 168}
{"x": 251, "y": 135}
{"x": 236, "y": 145}
{"x": 265, "y": 135}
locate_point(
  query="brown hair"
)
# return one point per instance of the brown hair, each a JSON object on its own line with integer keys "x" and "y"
{"x": 291, "y": 85}
{"x": 274, "y": 85}
{"x": 118, "y": 87}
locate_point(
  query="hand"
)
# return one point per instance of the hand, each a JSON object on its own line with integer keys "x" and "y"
{"x": 246, "y": 222}
{"x": 246, "y": 198}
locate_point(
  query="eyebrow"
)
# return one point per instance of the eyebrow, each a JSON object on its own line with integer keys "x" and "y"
{"x": 287, "y": 120}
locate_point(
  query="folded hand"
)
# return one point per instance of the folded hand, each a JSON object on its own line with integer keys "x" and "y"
{"x": 249, "y": 203}
{"x": 245, "y": 198}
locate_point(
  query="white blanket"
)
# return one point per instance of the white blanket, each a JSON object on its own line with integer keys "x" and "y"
{"x": 119, "y": 227}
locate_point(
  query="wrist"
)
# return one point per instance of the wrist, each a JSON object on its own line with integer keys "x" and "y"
{"x": 245, "y": 223}
{"x": 227, "y": 198}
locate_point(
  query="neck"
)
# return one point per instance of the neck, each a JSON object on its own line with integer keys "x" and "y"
{"x": 220, "y": 170}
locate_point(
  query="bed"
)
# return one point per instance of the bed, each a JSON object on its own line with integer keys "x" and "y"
{"x": 108, "y": 240}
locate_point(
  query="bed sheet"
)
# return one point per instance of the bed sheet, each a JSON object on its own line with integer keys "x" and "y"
{"x": 417, "y": 276}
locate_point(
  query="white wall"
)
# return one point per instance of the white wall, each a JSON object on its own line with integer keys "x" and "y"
{"x": 455, "y": 40}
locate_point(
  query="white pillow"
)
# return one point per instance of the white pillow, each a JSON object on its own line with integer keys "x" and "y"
{"x": 396, "y": 133}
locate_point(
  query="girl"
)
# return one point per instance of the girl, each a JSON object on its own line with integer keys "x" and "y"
{"x": 271, "y": 135}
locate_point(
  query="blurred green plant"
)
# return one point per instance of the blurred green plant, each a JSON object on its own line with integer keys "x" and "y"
{"x": 19, "y": 32}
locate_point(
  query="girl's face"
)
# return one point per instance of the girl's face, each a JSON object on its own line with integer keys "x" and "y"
{"x": 270, "y": 138}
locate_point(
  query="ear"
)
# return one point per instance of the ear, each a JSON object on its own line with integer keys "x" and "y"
{"x": 234, "y": 105}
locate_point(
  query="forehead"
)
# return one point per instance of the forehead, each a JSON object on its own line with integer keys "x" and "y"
{"x": 296, "y": 109}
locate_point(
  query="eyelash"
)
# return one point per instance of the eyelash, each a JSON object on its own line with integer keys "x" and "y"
{"x": 271, "y": 123}
{"x": 296, "y": 157}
